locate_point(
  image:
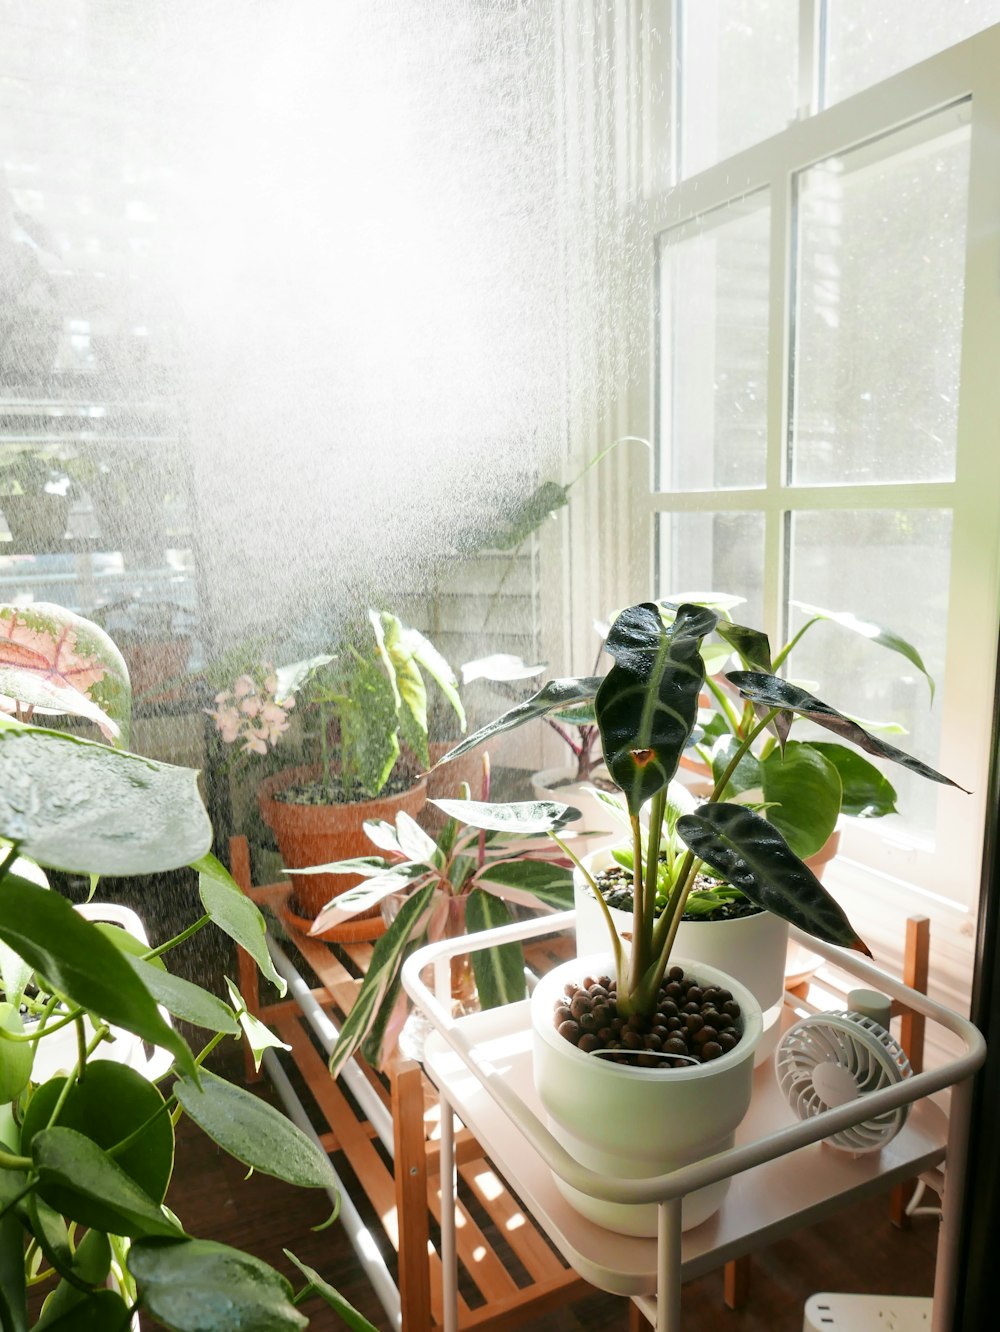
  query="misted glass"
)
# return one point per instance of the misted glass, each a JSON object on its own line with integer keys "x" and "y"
{"x": 701, "y": 553}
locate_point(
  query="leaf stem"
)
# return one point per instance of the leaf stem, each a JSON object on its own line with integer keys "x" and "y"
{"x": 184, "y": 935}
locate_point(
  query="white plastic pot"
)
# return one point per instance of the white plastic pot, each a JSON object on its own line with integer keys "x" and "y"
{"x": 635, "y": 1123}
{"x": 752, "y": 950}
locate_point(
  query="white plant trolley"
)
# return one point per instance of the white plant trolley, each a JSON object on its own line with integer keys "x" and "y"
{"x": 783, "y": 1178}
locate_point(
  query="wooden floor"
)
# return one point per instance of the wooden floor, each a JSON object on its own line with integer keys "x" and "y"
{"x": 858, "y": 1250}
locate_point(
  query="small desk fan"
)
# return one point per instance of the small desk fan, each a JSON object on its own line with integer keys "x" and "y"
{"x": 829, "y": 1059}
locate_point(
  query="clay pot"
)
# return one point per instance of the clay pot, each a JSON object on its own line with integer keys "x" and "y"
{"x": 318, "y": 834}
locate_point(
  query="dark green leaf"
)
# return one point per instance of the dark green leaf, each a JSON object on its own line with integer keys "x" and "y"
{"x": 16, "y": 1057}
{"x": 802, "y": 791}
{"x": 747, "y": 775}
{"x": 499, "y": 970}
{"x": 538, "y": 880}
{"x": 751, "y": 645}
{"x": 81, "y": 963}
{"x": 388, "y": 956}
{"x": 519, "y": 518}
{"x": 752, "y": 855}
{"x": 867, "y": 794}
{"x": 86, "y": 1185}
{"x": 72, "y": 1310}
{"x": 873, "y": 632}
{"x": 52, "y": 1235}
{"x": 771, "y": 691}
{"x": 348, "y": 1314}
{"x": 185, "y": 1000}
{"x": 556, "y": 694}
{"x": 13, "y": 1298}
{"x": 520, "y": 817}
{"x": 109, "y": 1104}
{"x": 647, "y": 705}
{"x": 235, "y": 914}
{"x": 197, "y": 1285}
{"x": 82, "y": 807}
{"x": 254, "y": 1132}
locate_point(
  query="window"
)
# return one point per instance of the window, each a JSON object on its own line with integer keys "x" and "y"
{"x": 824, "y": 410}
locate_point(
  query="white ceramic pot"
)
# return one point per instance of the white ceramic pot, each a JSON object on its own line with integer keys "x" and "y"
{"x": 635, "y": 1123}
{"x": 597, "y": 827}
{"x": 752, "y": 950}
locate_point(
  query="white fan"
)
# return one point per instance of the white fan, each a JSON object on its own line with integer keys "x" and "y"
{"x": 829, "y": 1059}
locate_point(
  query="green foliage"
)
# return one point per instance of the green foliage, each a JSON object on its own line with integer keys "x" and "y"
{"x": 647, "y": 711}
{"x": 93, "y": 1144}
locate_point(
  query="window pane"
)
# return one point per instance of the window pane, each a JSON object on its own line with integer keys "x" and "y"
{"x": 866, "y": 42}
{"x": 713, "y": 350}
{"x": 889, "y": 567}
{"x": 878, "y": 308}
{"x": 739, "y": 76}
{"x": 714, "y": 552}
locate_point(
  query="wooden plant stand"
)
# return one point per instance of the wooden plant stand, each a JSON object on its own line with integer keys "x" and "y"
{"x": 391, "y": 1142}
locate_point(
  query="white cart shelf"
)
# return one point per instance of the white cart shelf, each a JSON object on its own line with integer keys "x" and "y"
{"x": 784, "y": 1177}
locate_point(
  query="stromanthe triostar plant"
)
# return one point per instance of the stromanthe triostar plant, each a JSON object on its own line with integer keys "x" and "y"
{"x": 647, "y": 711}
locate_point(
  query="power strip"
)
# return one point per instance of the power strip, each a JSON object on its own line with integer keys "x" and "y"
{"x": 867, "y": 1313}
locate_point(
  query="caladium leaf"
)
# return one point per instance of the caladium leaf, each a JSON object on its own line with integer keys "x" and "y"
{"x": 499, "y": 970}
{"x": 255, "y": 1132}
{"x": 803, "y": 794}
{"x": 556, "y": 694}
{"x": 771, "y": 692}
{"x": 876, "y": 633}
{"x": 530, "y": 882}
{"x": 647, "y": 705}
{"x": 752, "y": 855}
{"x": 53, "y": 659}
{"x": 390, "y": 952}
{"x": 867, "y": 794}
{"x": 192, "y": 1285}
{"x": 520, "y": 817}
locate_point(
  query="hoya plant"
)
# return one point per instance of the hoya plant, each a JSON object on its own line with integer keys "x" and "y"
{"x": 87, "y": 1143}
{"x": 462, "y": 881}
{"x": 647, "y": 711}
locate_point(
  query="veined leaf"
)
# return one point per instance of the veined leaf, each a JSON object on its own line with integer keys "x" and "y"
{"x": 413, "y": 841}
{"x": 555, "y": 694}
{"x": 752, "y": 855}
{"x": 751, "y": 645}
{"x": 362, "y": 898}
{"x": 520, "y": 817}
{"x": 874, "y": 632}
{"x": 82, "y": 964}
{"x": 499, "y": 970}
{"x": 388, "y": 956}
{"x": 867, "y": 794}
{"x": 803, "y": 793}
{"x": 346, "y": 1312}
{"x": 235, "y": 914}
{"x": 532, "y": 882}
{"x": 427, "y": 657}
{"x": 647, "y": 704}
{"x": 770, "y": 691}
{"x": 194, "y": 1285}
{"x": 254, "y": 1132}
{"x": 183, "y": 999}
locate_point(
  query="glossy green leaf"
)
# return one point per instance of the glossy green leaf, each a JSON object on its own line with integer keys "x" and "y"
{"x": 196, "y": 1285}
{"x": 258, "y": 1037}
{"x": 183, "y": 999}
{"x": 752, "y": 855}
{"x": 108, "y": 1105}
{"x": 82, "y": 1182}
{"x": 15, "y": 973}
{"x": 13, "y": 1296}
{"x": 52, "y": 1235}
{"x": 752, "y": 646}
{"x": 52, "y": 658}
{"x": 520, "y": 817}
{"x": 531, "y": 882}
{"x": 74, "y": 805}
{"x": 254, "y": 1132}
{"x": 802, "y": 791}
{"x": 77, "y": 959}
{"x": 92, "y": 1260}
{"x": 771, "y": 691}
{"x": 127, "y": 942}
{"x": 875, "y": 633}
{"x": 16, "y": 1057}
{"x": 72, "y": 1310}
{"x": 499, "y": 970}
{"x": 747, "y": 775}
{"x": 347, "y": 1313}
{"x": 552, "y": 696}
{"x": 405, "y": 933}
{"x": 867, "y": 793}
{"x": 647, "y": 705}
{"x": 235, "y": 914}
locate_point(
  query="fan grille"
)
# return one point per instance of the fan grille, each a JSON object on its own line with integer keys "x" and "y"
{"x": 830, "y": 1058}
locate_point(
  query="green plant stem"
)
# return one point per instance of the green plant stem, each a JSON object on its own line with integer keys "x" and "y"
{"x": 638, "y": 893}
{"x": 616, "y": 943}
{"x": 741, "y": 750}
{"x": 30, "y": 1187}
{"x": 9, "y": 1161}
{"x": 8, "y": 860}
{"x": 136, "y": 1133}
{"x": 99, "y": 1034}
{"x": 199, "y": 924}
{"x": 791, "y": 643}
{"x": 718, "y": 693}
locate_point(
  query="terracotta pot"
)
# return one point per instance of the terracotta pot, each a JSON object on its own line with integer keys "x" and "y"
{"x": 316, "y": 834}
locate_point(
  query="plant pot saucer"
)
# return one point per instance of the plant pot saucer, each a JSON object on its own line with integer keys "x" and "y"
{"x": 349, "y": 931}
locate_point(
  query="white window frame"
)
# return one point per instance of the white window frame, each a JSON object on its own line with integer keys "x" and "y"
{"x": 945, "y": 882}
